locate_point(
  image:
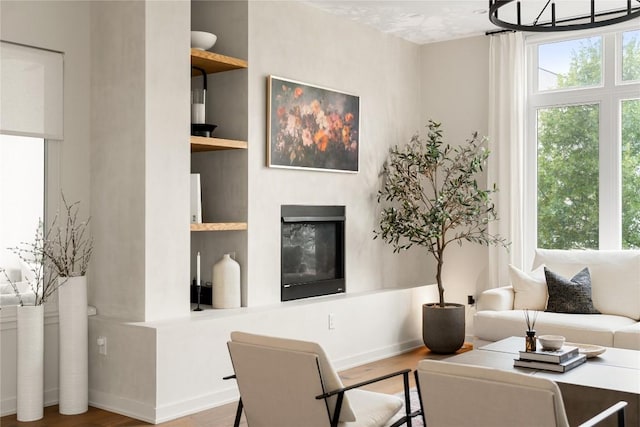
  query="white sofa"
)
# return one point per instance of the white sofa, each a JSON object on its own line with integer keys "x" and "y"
{"x": 615, "y": 286}
{"x": 8, "y": 294}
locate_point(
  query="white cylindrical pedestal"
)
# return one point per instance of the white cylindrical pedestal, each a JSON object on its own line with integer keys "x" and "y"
{"x": 30, "y": 375}
{"x": 74, "y": 346}
{"x": 226, "y": 283}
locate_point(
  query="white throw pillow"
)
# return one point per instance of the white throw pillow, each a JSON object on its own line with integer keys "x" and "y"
{"x": 530, "y": 290}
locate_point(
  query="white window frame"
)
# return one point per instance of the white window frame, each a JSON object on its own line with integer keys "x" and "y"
{"x": 608, "y": 95}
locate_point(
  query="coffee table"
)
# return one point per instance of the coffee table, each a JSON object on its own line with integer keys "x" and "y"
{"x": 586, "y": 389}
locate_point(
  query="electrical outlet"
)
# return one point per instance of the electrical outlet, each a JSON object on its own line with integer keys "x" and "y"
{"x": 102, "y": 345}
{"x": 332, "y": 321}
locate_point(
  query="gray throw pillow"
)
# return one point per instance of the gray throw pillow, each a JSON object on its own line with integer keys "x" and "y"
{"x": 570, "y": 296}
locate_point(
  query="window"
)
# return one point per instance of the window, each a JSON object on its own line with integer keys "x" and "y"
{"x": 22, "y": 186}
{"x": 583, "y": 140}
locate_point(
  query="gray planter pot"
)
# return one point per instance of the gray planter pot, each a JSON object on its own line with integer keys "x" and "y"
{"x": 443, "y": 328}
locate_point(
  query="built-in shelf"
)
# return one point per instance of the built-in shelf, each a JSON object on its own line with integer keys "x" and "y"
{"x": 214, "y": 62}
{"x": 200, "y": 143}
{"x": 219, "y": 226}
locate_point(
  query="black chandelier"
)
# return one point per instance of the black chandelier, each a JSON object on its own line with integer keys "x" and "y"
{"x": 542, "y": 16}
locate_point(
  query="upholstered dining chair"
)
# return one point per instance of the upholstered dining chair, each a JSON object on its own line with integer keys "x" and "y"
{"x": 285, "y": 382}
{"x": 453, "y": 394}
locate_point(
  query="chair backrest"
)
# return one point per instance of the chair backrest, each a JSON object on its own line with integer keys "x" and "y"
{"x": 462, "y": 395}
{"x": 279, "y": 379}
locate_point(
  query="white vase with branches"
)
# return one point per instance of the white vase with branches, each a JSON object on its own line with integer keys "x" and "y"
{"x": 41, "y": 283}
{"x": 53, "y": 259}
{"x": 68, "y": 249}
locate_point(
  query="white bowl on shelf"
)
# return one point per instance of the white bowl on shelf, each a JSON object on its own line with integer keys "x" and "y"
{"x": 551, "y": 342}
{"x": 202, "y": 40}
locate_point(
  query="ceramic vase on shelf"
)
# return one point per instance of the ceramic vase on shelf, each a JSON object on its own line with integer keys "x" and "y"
{"x": 226, "y": 283}
{"x": 30, "y": 375}
{"x": 74, "y": 345}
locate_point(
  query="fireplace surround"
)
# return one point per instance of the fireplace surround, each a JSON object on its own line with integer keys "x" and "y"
{"x": 311, "y": 251}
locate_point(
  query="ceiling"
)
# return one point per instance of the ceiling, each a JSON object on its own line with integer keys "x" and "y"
{"x": 431, "y": 21}
{"x": 417, "y": 21}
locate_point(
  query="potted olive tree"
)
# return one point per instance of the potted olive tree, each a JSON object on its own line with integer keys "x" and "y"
{"x": 432, "y": 199}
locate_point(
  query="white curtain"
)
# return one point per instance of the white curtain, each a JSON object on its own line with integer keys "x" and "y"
{"x": 31, "y": 91}
{"x": 507, "y": 88}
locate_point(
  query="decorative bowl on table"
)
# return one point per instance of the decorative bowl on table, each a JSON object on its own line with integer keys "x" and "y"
{"x": 202, "y": 40}
{"x": 589, "y": 350}
{"x": 551, "y": 342}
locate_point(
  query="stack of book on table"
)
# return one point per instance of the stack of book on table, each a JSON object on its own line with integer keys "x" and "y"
{"x": 560, "y": 360}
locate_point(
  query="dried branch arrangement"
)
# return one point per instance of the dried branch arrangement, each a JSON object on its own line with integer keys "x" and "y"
{"x": 43, "y": 280}
{"x": 530, "y": 318}
{"x": 69, "y": 247}
{"x": 64, "y": 251}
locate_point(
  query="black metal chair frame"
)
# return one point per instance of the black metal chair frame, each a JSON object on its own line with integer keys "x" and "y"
{"x": 340, "y": 397}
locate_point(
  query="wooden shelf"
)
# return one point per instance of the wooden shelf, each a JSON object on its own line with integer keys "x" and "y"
{"x": 214, "y": 62}
{"x": 219, "y": 226}
{"x": 201, "y": 143}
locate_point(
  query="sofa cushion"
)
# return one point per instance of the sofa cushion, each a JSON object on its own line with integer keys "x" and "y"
{"x": 570, "y": 295}
{"x": 615, "y": 276}
{"x": 628, "y": 337}
{"x": 598, "y": 330}
{"x": 530, "y": 290}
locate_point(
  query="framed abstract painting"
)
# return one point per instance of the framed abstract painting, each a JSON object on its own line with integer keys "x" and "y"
{"x": 311, "y": 127}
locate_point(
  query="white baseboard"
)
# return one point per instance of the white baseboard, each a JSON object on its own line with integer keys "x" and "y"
{"x": 374, "y": 355}
{"x": 197, "y": 404}
{"x": 127, "y": 407}
{"x": 9, "y": 406}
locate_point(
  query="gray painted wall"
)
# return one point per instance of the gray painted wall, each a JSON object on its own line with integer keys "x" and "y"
{"x": 295, "y": 41}
{"x": 140, "y": 184}
{"x": 455, "y": 92}
{"x": 118, "y": 154}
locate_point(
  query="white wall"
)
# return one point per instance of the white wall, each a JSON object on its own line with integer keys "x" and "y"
{"x": 167, "y": 128}
{"x": 118, "y": 155}
{"x": 140, "y": 148}
{"x": 295, "y": 41}
{"x": 455, "y": 92}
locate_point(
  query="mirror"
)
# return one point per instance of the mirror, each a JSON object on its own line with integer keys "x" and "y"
{"x": 22, "y": 195}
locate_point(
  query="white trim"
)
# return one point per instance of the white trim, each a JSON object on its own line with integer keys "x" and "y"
{"x": 9, "y": 405}
{"x": 127, "y": 407}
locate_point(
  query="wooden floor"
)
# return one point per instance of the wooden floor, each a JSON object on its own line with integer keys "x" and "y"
{"x": 223, "y": 416}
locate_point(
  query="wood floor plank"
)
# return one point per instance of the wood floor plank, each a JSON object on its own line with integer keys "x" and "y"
{"x": 223, "y": 416}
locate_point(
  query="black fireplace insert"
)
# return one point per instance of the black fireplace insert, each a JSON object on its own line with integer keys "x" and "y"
{"x": 312, "y": 251}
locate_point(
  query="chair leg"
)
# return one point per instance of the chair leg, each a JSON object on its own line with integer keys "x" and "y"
{"x": 236, "y": 423}
{"x": 621, "y": 422}
{"x": 415, "y": 373}
{"x": 407, "y": 400}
